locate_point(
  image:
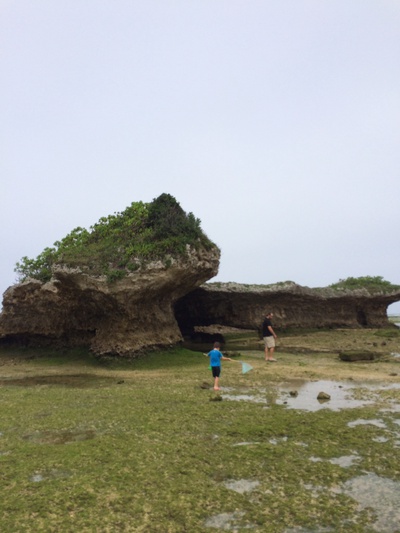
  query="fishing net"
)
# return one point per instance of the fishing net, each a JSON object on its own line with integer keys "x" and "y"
{"x": 246, "y": 368}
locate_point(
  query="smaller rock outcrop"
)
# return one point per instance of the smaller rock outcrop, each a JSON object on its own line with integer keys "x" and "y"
{"x": 244, "y": 306}
{"x": 323, "y": 396}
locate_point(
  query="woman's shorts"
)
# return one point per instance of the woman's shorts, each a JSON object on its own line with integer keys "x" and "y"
{"x": 269, "y": 342}
{"x": 216, "y": 371}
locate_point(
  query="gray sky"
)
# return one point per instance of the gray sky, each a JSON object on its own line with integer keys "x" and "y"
{"x": 276, "y": 122}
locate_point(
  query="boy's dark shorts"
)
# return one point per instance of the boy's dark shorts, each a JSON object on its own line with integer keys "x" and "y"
{"x": 216, "y": 371}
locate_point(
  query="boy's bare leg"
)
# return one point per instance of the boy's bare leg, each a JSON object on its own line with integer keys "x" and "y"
{"x": 216, "y": 381}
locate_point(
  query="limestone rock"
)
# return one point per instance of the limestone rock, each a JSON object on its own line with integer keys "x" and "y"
{"x": 323, "y": 396}
{"x": 123, "y": 317}
{"x": 244, "y": 306}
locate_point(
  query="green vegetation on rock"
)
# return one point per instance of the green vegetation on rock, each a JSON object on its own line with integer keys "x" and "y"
{"x": 370, "y": 283}
{"x": 122, "y": 242}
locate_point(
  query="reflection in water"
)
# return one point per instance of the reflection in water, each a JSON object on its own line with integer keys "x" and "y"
{"x": 300, "y": 394}
{"x": 306, "y": 399}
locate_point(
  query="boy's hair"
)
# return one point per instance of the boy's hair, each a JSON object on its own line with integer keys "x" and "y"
{"x": 216, "y": 344}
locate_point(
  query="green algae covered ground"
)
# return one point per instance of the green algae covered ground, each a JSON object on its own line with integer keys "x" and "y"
{"x": 141, "y": 446}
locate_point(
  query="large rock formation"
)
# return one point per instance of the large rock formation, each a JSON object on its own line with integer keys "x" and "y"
{"x": 244, "y": 306}
{"x": 154, "y": 306}
{"x": 117, "y": 318}
{"x": 134, "y": 281}
{"x": 112, "y": 287}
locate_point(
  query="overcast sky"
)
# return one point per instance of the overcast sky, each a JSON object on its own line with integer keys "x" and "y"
{"x": 276, "y": 122}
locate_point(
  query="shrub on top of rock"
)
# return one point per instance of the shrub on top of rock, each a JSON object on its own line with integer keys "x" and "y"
{"x": 372, "y": 284}
{"x": 122, "y": 242}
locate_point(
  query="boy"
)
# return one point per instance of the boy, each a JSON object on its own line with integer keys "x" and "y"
{"x": 215, "y": 362}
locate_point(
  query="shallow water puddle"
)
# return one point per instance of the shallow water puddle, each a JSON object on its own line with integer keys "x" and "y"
{"x": 242, "y": 486}
{"x": 346, "y": 460}
{"x": 224, "y": 521}
{"x": 380, "y": 424}
{"x": 380, "y": 494}
{"x": 36, "y": 478}
{"x": 380, "y": 439}
{"x": 275, "y": 442}
{"x": 228, "y": 393}
{"x": 60, "y": 437}
{"x": 53, "y": 474}
{"x": 245, "y": 443}
{"x": 306, "y": 530}
{"x": 233, "y": 521}
{"x": 394, "y": 408}
{"x": 244, "y": 398}
{"x": 300, "y": 394}
{"x": 361, "y": 422}
{"x": 307, "y": 391}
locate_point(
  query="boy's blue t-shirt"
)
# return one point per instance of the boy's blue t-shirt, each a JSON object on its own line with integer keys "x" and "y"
{"x": 215, "y": 357}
